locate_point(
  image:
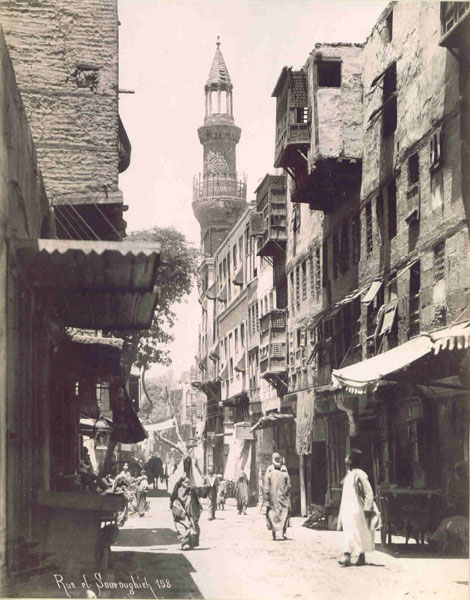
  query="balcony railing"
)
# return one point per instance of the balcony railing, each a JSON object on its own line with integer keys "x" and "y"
{"x": 289, "y": 134}
{"x": 273, "y": 358}
{"x": 275, "y": 319}
{"x": 219, "y": 186}
{"x": 453, "y": 15}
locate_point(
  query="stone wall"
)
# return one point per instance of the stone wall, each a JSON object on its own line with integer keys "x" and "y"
{"x": 65, "y": 56}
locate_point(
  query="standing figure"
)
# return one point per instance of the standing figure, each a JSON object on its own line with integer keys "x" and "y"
{"x": 141, "y": 494}
{"x": 186, "y": 508}
{"x": 211, "y": 483}
{"x": 355, "y": 512}
{"x": 242, "y": 493}
{"x": 276, "y": 497}
{"x": 221, "y": 493}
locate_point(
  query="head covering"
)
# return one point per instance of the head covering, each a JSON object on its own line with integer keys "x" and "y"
{"x": 276, "y": 458}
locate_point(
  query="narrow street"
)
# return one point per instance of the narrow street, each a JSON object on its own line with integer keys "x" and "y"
{"x": 238, "y": 559}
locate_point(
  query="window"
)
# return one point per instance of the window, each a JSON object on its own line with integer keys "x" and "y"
{"x": 304, "y": 280}
{"x": 297, "y": 284}
{"x": 369, "y": 231}
{"x": 242, "y": 335}
{"x": 392, "y": 210}
{"x": 311, "y": 265}
{"x": 335, "y": 256}
{"x": 292, "y": 290}
{"x": 325, "y": 263}
{"x": 439, "y": 261}
{"x": 301, "y": 114}
{"x": 329, "y": 73}
{"x": 236, "y": 342}
{"x": 389, "y": 26}
{"x": 413, "y": 170}
{"x": 356, "y": 239}
{"x": 344, "y": 252}
{"x": 234, "y": 252}
{"x": 317, "y": 273}
{"x": 379, "y": 211}
{"x": 435, "y": 151}
{"x": 256, "y": 316}
{"x": 414, "y": 303}
{"x": 389, "y": 100}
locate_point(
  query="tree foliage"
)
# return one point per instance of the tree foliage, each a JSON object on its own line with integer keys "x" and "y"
{"x": 175, "y": 277}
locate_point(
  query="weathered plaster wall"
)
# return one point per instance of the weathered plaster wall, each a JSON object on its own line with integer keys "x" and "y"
{"x": 337, "y": 111}
{"x": 65, "y": 56}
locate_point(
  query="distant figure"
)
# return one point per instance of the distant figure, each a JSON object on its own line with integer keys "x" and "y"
{"x": 283, "y": 465}
{"x": 356, "y": 512}
{"x": 141, "y": 495}
{"x": 186, "y": 508}
{"x": 242, "y": 493}
{"x": 276, "y": 497}
{"x": 221, "y": 493}
{"x": 211, "y": 484}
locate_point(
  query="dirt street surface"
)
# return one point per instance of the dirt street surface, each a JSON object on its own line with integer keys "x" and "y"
{"x": 237, "y": 559}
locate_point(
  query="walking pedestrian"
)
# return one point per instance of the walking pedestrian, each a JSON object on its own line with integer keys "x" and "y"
{"x": 242, "y": 493}
{"x": 277, "y": 497}
{"x": 186, "y": 508}
{"x": 211, "y": 483}
{"x": 356, "y": 512}
{"x": 142, "y": 495}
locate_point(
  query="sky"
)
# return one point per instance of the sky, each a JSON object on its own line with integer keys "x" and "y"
{"x": 166, "y": 49}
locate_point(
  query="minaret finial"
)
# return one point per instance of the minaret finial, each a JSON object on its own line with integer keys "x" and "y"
{"x": 218, "y": 42}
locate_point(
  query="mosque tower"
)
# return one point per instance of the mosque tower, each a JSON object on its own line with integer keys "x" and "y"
{"x": 219, "y": 195}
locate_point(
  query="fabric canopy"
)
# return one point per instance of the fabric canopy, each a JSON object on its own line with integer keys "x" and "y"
{"x": 365, "y": 376}
{"x": 272, "y": 420}
{"x": 163, "y": 426}
{"x": 211, "y": 293}
{"x": 238, "y": 279}
{"x": 240, "y": 366}
{"x": 91, "y": 426}
{"x": 214, "y": 352}
{"x": 222, "y": 295}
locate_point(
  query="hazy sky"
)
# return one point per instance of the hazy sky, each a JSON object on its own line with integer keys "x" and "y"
{"x": 166, "y": 50}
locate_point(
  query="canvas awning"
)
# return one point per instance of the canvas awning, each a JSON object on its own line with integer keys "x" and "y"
{"x": 238, "y": 279}
{"x": 223, "y": 375}
{"x": 214, "y": 352}
{"x": 241, "y": 366}
{"x": 89, "y": 356}
{"x": 162, "y": 426}
{"x": 211, "y": 293}
{"x": 272, "y": 420}
{"x": 89, "y": 427}
{"x": 365, "y": 376}
{"x": 222, "y": 295}
{"x": 372, "y": 292}
{"x": 95, "y": 284}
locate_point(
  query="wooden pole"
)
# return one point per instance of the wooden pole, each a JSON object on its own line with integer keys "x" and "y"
{"x": 303, "y": 500}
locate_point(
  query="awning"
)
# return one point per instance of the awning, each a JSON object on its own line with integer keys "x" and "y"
{"x": 272, "y": 420}
{"x": 332, "y": 310}
{"x": 95, "y": 284}
{"x": 365, "y": 376}
{"x": 211, "y": 293}
{"x": 241, "y": 366}
{"x": 93, "y": 357}
{"x": 304, "y": 422}
{"x": 222, "y": 295}
{"x": 214, "y": 352}
{"x": 223, "y": 375}
{"x": 372, "y": 292}
{"x": 238, "y": 279}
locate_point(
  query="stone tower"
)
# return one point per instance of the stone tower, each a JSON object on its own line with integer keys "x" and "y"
{"x": 219, "y": 195}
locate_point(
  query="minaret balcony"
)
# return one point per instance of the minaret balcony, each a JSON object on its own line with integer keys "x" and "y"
{"x": 219, "y": 186}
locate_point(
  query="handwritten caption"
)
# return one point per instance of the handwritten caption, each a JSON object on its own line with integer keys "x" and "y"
{"x": 99, "y": 583}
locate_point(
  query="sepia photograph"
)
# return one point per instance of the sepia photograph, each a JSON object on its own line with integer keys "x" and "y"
{"x": 234, "y": 299}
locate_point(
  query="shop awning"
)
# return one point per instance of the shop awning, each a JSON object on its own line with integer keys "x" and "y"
{"x": 95, "y": 284}
{"x": 365, "y": 376}
{"x": 223, "y": 375}
{"x": 93, "y": 357}
{"x": 272, "y": 420}
{"x": 162, "y": 426}
{"x": 372, "y": 292}
{"x": 214, "y": 352}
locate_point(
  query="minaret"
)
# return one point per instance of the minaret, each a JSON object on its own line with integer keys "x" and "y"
{"x": 219, "y": 196}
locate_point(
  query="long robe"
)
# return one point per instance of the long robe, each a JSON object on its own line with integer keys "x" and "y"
{"x": 212, "y": 484}
{"x": 276, "y": 496}
{"x": 186, "y": 510}
{"x": 242, "y": 493}
{"x": 357, "y": 497}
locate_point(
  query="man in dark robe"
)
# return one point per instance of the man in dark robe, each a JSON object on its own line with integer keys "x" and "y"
{"x": 242, "y": 493}
{"x": 277, "y": 497}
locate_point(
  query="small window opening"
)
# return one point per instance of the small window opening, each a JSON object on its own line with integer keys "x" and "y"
{"x": 389, "y": 26}
{"x": 301, "y": 114}
{"x": 439, "y": 261}
{"x": 329, "y": 73}
{"x": 392, "y": 210}
{"x": 369, "y": 233}
{"x": 389, "y": 100}
{"x": 413, "y": 169}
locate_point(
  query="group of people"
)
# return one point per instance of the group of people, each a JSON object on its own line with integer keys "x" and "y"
{"x": 358, "y": 515}
{"x": 134, "y": 490}
{"x": 216, "y": 488}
